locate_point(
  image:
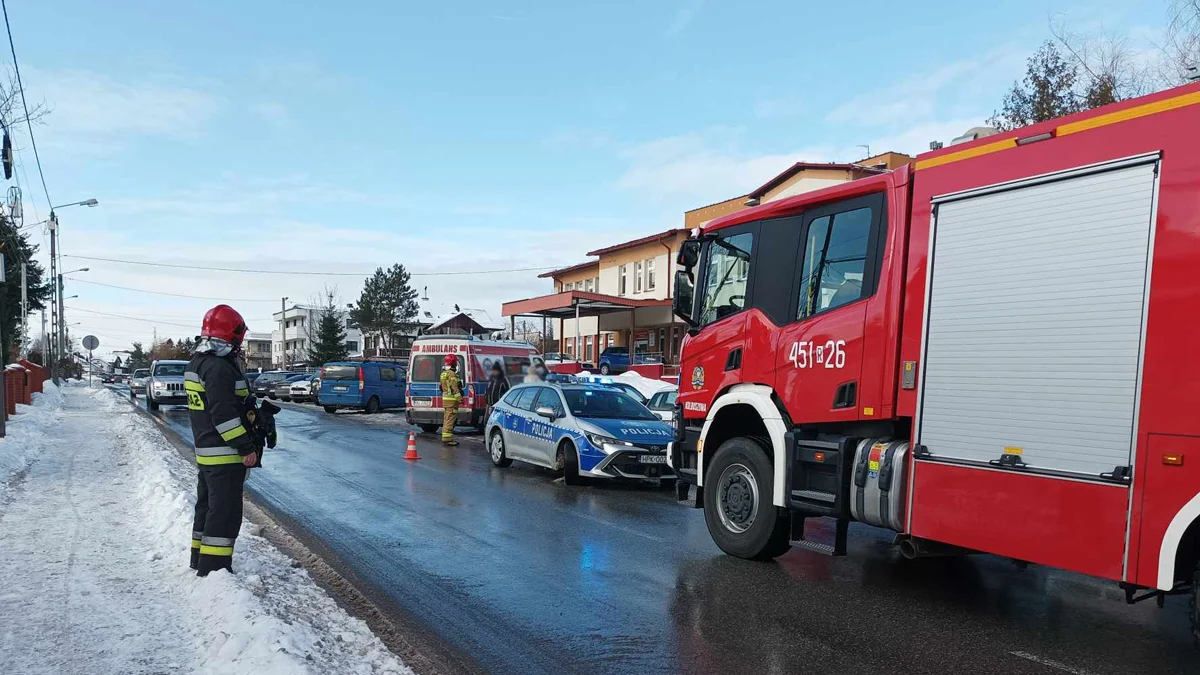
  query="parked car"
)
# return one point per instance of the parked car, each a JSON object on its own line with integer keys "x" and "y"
{"x": 251, "y": 377}
{"x": 283, "y": 388}
{"x": 264, "y": 384}
{"x": 137, "y": 382}
{"x": 584, "y": 431}
{"x": 663, "y": 404}
{"x": 108, "y": 378}
{"x": 558, "y": 358}
{"x": 301, "y": 388}
{"x": 615, "y": 360}
{"x": 368, "y": 385}
{"x": 165, "y": 384}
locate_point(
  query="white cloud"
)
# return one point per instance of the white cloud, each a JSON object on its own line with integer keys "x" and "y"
{"x": 87, "y": 103}
{"x": 273, "y": 112}
{"x": 683, "y": 18}
{"x": 690, "y": 171}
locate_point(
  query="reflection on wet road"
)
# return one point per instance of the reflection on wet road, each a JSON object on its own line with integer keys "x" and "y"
{"x": 527, "y": 575}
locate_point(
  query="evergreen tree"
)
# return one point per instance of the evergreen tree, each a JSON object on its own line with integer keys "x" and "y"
{"x": 16, "y": 248}
{"x": 137, "y": 357}
{"x": 330, "y": 342}
{"x": 387, "y": 306}
{"x": 1048, "y": 91}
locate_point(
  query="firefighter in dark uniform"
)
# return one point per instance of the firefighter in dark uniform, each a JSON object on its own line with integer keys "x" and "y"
{"x": 217, "y": 394}
{"x": 451, "y": 388}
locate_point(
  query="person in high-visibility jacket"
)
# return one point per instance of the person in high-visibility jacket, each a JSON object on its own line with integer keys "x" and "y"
{"x": 451, "y": 395}
{"x": 217, "y": 394}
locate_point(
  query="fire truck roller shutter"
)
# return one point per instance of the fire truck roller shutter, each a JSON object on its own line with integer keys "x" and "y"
{"x": 1035, "y": 319}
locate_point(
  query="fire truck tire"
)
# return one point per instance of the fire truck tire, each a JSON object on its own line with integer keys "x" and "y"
{"x": 737, "y": 503}
{"x": 1194, "y": 606}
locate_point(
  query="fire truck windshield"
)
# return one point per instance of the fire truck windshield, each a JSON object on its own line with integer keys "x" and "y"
{"x": 725, "y": 277}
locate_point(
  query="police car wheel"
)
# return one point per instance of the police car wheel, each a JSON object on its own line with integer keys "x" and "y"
{"x": 496, "y": 450}
{"x": 568, "y": 459}
{"x": 737, "y": 502}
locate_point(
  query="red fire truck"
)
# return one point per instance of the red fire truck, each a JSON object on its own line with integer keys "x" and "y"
{"x": 993, "y": 350}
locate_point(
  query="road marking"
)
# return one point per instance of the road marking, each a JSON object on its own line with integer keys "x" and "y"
{"x": 1057, "y": 665}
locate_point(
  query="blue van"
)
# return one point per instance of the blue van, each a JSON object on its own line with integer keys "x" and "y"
{"x": 366, "y": 385}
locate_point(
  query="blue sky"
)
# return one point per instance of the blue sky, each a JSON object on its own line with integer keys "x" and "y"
{"x": 465, "y": 135}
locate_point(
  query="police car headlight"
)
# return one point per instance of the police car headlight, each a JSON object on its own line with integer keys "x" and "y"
{"x": 599, "y": 440}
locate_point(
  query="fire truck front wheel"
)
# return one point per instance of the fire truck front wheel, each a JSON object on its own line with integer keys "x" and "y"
{"x": 737, "y": 503}
{"x": 1194, "y": 606}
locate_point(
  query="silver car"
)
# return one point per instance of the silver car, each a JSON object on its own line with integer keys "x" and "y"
{"x": 165, "y": 385}
{"x": 584, "y": 431}
{"x": 137, "y": 381}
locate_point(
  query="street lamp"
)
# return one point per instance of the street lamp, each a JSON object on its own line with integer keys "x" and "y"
{"x": 56, "y": 298}
{"x": 81, "y": 269}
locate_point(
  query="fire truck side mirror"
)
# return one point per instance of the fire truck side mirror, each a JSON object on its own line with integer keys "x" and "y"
{"x": 681, "y": 303}
{"x": 689, "y": 253}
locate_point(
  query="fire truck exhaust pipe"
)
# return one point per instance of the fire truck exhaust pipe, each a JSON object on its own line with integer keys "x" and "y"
{"x": 915, "y": 547}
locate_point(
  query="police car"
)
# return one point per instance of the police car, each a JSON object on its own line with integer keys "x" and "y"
{"x": 582, "y": 430}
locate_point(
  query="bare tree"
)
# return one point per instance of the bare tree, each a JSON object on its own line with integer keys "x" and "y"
{"x": 12, "y": 108}
{"x": 1181, "y": 42}
{"x": 1108, "y": 67}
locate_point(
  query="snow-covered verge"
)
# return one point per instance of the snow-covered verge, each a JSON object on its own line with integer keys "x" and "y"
{"x": 133, "y": 605}
{"x": 27, "y": 434}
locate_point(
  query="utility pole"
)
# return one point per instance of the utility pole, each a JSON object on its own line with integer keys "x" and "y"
{"x": 24, "y": 306}
{"x": 62, "y": 322}
{"x": 54, "y": 296}
{"x": 283, "y": 331}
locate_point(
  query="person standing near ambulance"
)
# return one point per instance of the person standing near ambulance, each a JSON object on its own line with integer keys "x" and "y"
{"x": 451, "y": 395}
{"x": 217, "y": 392}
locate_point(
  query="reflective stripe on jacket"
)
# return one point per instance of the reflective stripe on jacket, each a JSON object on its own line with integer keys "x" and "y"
{"x": 217, "y": 391}
{"x": 451, "y": 388}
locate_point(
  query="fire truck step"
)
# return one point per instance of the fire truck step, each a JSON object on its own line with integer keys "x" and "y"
{"x": 837, "y": 548}
{"x": 814, "y": 494}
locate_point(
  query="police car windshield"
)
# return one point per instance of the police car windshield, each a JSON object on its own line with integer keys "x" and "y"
{"x": 605, "y": 403}
{"x": 170, "y": 370}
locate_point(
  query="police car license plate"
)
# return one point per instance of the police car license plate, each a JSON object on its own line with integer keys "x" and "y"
{"x": 652, "y": 459}
{"x": 422, "y": 403}
{"x": 341, "y": 388}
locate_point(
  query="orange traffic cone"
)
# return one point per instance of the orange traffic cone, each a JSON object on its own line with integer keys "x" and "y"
{"x": 411, "y": 452}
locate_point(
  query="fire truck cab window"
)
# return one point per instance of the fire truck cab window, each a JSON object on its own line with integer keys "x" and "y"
{"x": 835, "y": 260}
{"x": 726, "y": 277}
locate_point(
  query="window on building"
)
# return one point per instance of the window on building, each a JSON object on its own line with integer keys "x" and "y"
{"x": 591, "y": 286}
{"x": 351, "y": 346}
{"x": 638, "y": 275}
{"x": 650, "y": 274}
{"x": 623, "y": 275}
{"x": 835, "y": 259}
{"x": 726, "y": 277}
{"x": 587, "y": 349}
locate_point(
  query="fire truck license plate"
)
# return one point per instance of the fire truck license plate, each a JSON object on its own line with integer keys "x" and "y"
{"x": 422, "y": 402}
{"x": 652, "y": 459}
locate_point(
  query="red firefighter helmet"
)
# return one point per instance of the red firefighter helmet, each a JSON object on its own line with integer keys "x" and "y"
{"x": 224, "y": 323}
{"x": 451, "y": 360}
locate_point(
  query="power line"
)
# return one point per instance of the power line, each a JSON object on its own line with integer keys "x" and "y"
{"x": 75, "y": 280}
{"x": 301, "y": 272}
{"x": 24, "y": 104}
{"x": 136, "y": 318}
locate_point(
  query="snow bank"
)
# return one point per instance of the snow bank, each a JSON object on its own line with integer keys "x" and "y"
{"x": 268, "y": 618}
{"x": 27, "y": 433}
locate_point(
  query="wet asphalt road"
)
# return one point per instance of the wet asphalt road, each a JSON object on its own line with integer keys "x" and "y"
{"x": 517, "y": 573}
